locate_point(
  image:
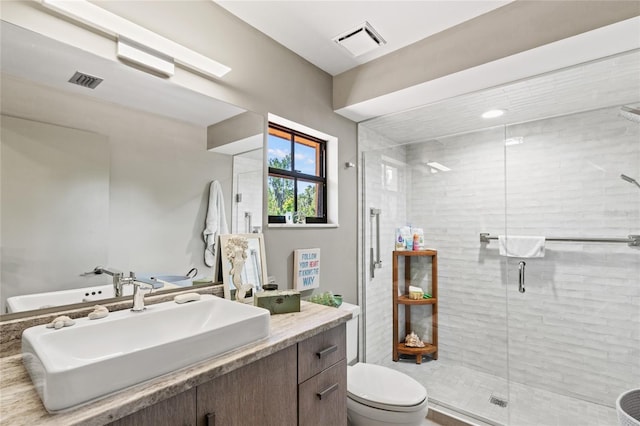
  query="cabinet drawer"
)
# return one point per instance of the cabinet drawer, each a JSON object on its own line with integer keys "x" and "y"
{"x": 322, "y": 400}
{"x": 321, "y": 351}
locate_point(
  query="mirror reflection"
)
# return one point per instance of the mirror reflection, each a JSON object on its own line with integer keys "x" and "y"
{"x": 115, "y": 177}
{"x": 246, "y": 209}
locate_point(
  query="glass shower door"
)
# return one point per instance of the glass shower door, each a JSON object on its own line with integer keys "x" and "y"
{"x": 246, "y": 207}
{"x": 453, "y": 188}
{"x": 574, "y": 344}
{"x": 384, "y": 178}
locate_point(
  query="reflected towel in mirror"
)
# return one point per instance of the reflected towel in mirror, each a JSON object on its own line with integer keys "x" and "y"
{"x": 215, "y": 223}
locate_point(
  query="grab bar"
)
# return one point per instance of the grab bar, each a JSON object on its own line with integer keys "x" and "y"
{"x": 632, "y": 240}
{"x": 375, "y": 261}
{"x": 247, "y": 221}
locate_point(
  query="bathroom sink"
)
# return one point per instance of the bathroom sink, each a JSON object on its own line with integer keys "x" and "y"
{"x": 50, "y": 299}
{"x": 27, "y": 302}
{"x": 92, "y": 358}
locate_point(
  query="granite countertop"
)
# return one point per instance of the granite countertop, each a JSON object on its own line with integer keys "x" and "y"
{"x": 21, "y": 405}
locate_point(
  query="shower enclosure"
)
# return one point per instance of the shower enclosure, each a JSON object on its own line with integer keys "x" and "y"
{"x": 560, "y": 352}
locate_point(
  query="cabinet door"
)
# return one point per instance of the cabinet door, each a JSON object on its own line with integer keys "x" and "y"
{"x": 321, "y": 351}
{"x": 261, "y": 393}
{"x": 322, "y": 399}
{"x": 179, "y": 410}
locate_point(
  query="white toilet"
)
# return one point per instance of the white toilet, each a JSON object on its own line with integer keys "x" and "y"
{"x": 377, "y": 395}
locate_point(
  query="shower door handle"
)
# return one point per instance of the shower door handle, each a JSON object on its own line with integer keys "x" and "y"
{"x": 374, "y": 259}
{"x": 521, "y": 276}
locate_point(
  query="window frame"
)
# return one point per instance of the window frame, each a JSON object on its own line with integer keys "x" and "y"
{"x": 321, "y": 180}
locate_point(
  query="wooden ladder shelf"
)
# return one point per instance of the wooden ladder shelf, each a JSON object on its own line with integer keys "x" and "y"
{"x": 399, "y": 347}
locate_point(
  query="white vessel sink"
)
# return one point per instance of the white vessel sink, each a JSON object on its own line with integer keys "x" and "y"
{"x": 92, "y": 358}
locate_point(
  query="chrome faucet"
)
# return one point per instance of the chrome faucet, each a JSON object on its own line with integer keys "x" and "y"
{"x": 138, "y": 296}
{"x": 118, "y": 278}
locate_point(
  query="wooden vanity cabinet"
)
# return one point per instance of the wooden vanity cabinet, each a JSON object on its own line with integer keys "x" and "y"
{"x": 261, "y": 393}
{"x": 179, "y": 410}
{"x": 303, "y": 384}
{"x": 322, "y": 378}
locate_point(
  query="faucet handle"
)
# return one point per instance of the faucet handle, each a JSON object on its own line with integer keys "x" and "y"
{"x": 96, "y": 271}
{"x": 138, "y": 295}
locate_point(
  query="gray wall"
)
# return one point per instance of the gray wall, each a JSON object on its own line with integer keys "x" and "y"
{"x": 55, "y": 205}
{"x": 265, "y": 77}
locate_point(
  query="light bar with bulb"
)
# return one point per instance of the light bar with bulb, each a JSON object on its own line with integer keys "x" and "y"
{"x": 109, "y": 23}
{"x": 438, "y": 166}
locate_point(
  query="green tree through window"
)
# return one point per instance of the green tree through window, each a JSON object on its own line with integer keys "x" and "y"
{"x": 297, "y": 180}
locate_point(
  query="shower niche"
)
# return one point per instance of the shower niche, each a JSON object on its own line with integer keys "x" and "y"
{"x": 401, "y": 298}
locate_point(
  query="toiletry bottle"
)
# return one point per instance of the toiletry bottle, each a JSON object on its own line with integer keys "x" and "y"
{"x": 409, "y": 242}
{"x": 416, "y": 242}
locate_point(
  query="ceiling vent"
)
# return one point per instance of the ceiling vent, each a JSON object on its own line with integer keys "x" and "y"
{"x": 360, "y": 40}
{"x": 85, "y": 80}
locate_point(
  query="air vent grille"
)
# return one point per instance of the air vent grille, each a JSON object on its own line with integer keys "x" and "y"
{"x": 85, "y": 80}
{"x": 360, "y": 40}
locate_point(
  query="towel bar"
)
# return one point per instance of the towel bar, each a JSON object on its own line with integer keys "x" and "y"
{"x": 632, "y": 240}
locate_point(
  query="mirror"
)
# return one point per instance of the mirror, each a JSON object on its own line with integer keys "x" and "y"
{"x": 244, "y": 265}
{"x": 117, "y": 176}
{"x": 246, "y": 209}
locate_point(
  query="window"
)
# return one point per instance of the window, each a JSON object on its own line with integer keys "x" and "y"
{"x": 297, "y": 175}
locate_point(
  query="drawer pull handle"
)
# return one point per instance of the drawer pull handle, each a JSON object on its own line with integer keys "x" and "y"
{"x": 327, "y": 351}
{"x": 327, "y": 391}
{"x": 211, "y": 419}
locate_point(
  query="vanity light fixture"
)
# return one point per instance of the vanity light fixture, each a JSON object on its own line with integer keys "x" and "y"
{"x": 493, "y": 113}
{"x": 142, "y": 46}
{"x": 131, "y": 51}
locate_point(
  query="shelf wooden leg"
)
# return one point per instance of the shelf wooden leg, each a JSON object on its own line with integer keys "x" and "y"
{"x": 419, "y": 359}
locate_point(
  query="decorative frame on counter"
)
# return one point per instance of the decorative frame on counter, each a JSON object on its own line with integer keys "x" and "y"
{"x": 243, "y": 262}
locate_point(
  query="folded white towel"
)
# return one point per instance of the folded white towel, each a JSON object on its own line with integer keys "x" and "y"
{"x": 521, "y": 246}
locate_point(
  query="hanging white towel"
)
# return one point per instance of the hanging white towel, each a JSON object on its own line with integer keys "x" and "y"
{"x": 215, "y": 224}
{"x": 519, "y": 246}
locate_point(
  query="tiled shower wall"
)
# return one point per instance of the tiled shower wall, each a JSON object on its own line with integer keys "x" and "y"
{"x": 576, "y": 329}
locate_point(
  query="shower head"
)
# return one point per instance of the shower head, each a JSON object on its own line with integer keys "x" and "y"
{"x": 630, "y": 180}
{"x": 631, "y": 114}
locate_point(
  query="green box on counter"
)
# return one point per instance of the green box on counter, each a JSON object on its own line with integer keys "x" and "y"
{"x": 278, "y": 301}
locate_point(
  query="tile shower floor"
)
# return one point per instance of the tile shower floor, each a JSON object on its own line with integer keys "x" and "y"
{"x": 469, "y": 391}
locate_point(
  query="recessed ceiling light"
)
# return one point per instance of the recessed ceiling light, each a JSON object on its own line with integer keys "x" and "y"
{"x": 438, "y": 166}
{"x": 493, "y": 113}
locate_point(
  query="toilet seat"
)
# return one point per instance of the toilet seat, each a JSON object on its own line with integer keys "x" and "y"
{"x": 383, "y": 388}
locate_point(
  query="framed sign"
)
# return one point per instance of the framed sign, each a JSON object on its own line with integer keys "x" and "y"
{"x": 306, "y": 269}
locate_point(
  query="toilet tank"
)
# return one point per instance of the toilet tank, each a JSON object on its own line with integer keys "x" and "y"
{"x": 352, "y": 331}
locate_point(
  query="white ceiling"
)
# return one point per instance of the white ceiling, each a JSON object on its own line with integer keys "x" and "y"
{"x": 308, "y": 27}
{"x": 44, "y": 61}
{"x": 614, "y": 81}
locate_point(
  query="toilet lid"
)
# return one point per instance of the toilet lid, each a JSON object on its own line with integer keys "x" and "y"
{"x": 382, "y": 387}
